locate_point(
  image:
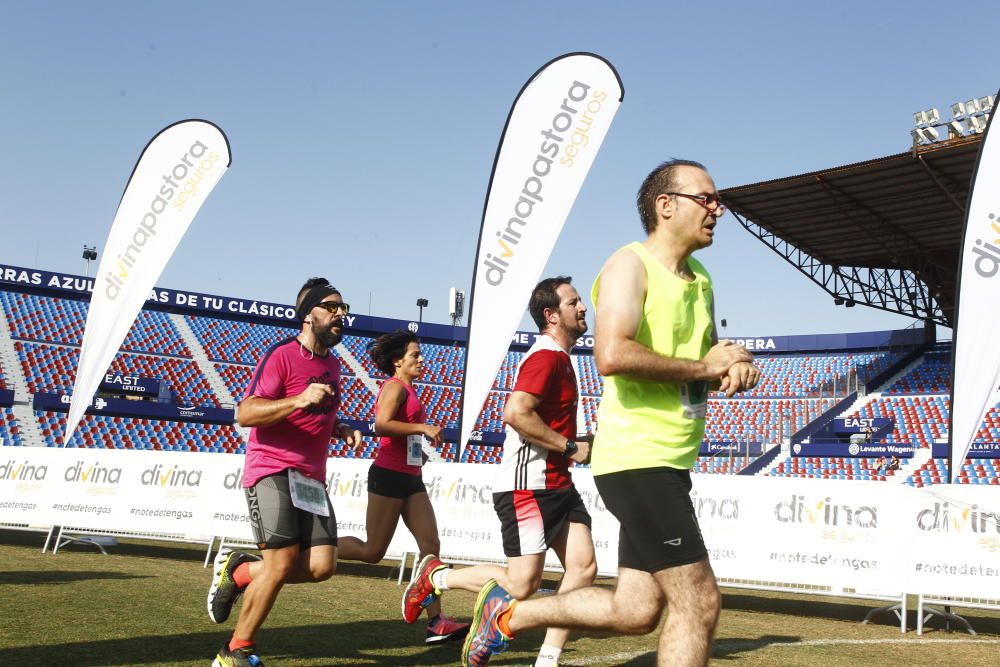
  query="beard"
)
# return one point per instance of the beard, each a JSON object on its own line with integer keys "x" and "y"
{"x": 326, "y": 337}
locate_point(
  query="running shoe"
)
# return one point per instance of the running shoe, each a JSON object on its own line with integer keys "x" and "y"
{"x": 444, "y": 629}
{"x": 241, "y": 657}
{"x": 223, "y": 593}
{"x": 421, "y": 591}
{"x": 485, "y": 639}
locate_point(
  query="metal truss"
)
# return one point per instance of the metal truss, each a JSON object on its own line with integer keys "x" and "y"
{"x": 893, "y": 290}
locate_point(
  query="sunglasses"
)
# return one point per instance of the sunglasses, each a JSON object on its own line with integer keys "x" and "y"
{"x": 334, "y": 306}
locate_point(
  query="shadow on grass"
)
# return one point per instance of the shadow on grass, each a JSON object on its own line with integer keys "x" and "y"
{"x": 59, "y": 576}
{"x": 839, "y": 611}
{"x": 357, "y": 643}
{"x": 725, "y": 649}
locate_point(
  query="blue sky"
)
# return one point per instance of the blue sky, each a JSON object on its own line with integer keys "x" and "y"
{"x": 363, "y": 134}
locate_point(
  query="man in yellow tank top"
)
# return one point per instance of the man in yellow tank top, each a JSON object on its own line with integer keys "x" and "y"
{"x": 657, "y": 348}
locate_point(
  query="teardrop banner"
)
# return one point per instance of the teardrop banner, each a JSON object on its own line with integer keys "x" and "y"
{"x": 553, "y": 132}
{"x": 976, "y": 379}
{"x": 175, "y": 173}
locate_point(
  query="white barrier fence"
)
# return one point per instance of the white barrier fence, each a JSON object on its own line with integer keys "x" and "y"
{"x": 881, "y": 539}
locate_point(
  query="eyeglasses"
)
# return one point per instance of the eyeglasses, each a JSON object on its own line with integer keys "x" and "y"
{"x": 711, "y": 203}
{"x": 334, "y": 306}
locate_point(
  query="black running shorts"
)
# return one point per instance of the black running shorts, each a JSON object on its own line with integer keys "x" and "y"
{"x": 659, "y": 528}
{"x": 277, "y": 523}
{"x": 530, "y": 521}
{"x": 394, "y": 484}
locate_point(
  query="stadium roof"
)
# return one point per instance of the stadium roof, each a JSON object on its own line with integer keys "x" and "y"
{"x": 885, "y": 233}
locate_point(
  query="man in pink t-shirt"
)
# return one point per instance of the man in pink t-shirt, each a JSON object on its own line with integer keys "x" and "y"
{"x": 291, "y": 406}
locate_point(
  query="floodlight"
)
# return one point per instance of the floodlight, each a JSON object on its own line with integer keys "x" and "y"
{"x": 928, "y": 134}
{"x": 972, "y": 106}
{"x": 850, "y": 303}
{"x": 957, "y": 110}
{"x": 837, "y": 301}
{"x": 976, "y": 124}
{"x": 986, "y": 103}
{"x": 954, "y": 129}
{"x": 932, "y": 115}
{"x": 918, "y": 119}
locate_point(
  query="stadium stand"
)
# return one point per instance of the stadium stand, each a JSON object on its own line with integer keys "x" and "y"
{"x": 808, "y": 375}
{"x": 131, "y": 433}
{"x": 233, "y": 341}
{"x": 358, "y": 345}
{"x": 51, "y": 320}
{"x": 45, "y": 332}
{"x": 51, "y": 368}
{"x": 758, "y": 420}
{"x": 10, "y": 434}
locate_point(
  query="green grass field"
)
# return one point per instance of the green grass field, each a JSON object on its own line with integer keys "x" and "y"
{"x": 144, "y": 604}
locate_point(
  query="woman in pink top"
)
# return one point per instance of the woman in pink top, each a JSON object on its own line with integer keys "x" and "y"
{"x": 395, "y": 485}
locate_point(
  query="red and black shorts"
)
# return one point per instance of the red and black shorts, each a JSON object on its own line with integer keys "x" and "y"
{"x": 530, "y": 521}
{"x": 659, "y": 528}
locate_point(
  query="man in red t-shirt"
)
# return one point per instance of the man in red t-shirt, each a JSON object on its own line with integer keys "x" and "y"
{"x": 538, "y": 506}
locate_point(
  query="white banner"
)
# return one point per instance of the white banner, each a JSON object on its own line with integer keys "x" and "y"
{"x": 802, "y": 531}
{"x": 977, "y": 318}
{"x": 175, "y": 173}
{"x": 553, "y": 133}
{"x": 953, "y": 545}
{"x": 869, "y": 537}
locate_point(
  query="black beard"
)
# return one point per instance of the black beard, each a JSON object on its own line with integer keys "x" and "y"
{"x": 327, "y": 339}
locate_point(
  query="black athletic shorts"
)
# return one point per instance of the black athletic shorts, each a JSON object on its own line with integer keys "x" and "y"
{"x": 277, "y": 523}
{"x": 530, "y": 521}
{"x": 659, "y": 528}
{"x": 393, "y": 484}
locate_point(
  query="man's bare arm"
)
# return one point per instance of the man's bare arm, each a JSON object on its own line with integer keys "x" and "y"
{"x": 619, "y": 311}
{"x": 257, "y": 411}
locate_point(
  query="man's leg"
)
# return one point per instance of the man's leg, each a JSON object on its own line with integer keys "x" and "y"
{"x": 632, "y": 608}
{"x": 521, "y": 578}
{"x": 382, "y": 516}
{"x": 314, "y": 564}
{"x": 575, "y": 549}
{"x": 276, "y": 567}
{"x": 693, "y": 606}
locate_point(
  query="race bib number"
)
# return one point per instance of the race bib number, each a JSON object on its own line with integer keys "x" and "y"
{"x": 694, "y": 399}
{"x": 415, "y": 450}
{"x": 307, "y": 493}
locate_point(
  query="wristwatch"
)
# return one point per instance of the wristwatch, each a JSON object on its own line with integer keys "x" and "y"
{"x": 570, "y": 448}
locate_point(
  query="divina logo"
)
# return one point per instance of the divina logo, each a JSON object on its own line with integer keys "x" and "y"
{"x": 459, "y": 491}
{"x": 95, "y": 474}
{"x": 158, "y": 476}
{"x": 988, "y": 260}
{"x": 343, "y": 486}
{"x": 233, "y": 480}
{"x": 825, "y": 511}
{"x": 715, "y": 508}
{"x": 498, "y": 261}
{"x": 941, "y": 518}
{"x": 185, "y": 168}
{"x": 23, "y": 472}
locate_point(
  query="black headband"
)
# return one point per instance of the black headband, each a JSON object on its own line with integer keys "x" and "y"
{"x": 313, "y": 298}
